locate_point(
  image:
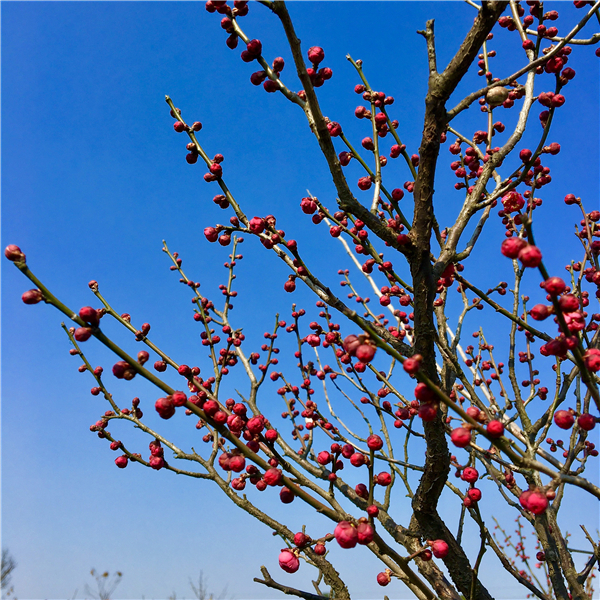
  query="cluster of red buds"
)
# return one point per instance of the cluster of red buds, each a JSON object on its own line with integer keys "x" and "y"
{"x": 470, "y": 475}
{"x": 240, "y": 9}
{"x": 461, "y": 436}
{"x": 570, "y": 308}
{"x": 349, "y": 535}
{"x": 517, "y": 247}
{"x": 565, "y": 419}
{"x": 360, "y": 347}
{"x": 269, "y": 85}
{"x": 536, "y": 501}
{"x": 379, "y": 100}
{"x": 215, "y": 171}
{"x": 318, "y": 76}
{"x": 439, "y": 549}
{"x": 288, "y": 558}
{"x": 180, "y": 126}
{"x": 382, "y": 127}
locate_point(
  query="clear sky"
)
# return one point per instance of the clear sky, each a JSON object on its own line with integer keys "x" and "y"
{"x": 94, "y": 177}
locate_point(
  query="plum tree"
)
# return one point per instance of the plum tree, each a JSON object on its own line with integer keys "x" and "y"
{"x": 389, "y": 395}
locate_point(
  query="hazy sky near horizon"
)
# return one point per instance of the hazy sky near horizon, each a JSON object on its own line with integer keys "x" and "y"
{"x": 94, "y": 178}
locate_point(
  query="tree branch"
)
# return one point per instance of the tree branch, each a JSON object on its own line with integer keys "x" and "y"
{"x": 430, "y": 38}
{"x": 290, "y": 591}
{"x": 466, "y": 102}
{"x": 318, "y": 125}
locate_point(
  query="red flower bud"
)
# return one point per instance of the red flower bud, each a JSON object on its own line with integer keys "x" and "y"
{"x": 320, "y": 549}
{"x": 270, "y": 86}
{"x": 165, "y": 407}
{"x": 184, "y": 370}
{"x": 592, "y": 359}
{"x": 224, "y": 460}
{"x": 564, "y": 419}
{"x": 121, "y": 461}
{"x": 424, "y": 394}
{"x": 345, "y": 534}
{"x": 569, "y": 303}
{"x": 397, "y": 194}
{"x": 82, "y": 334}
{"x": 324, "y": 458}
{"x": 495, "y": 429}
{"x": 32, "y": 296}
{"x": 364, "y": 183}
{"x": 530, "y": 256}
{"x": 470, "y": 475}
{"x": 428, "y": 412}
{"x": 366, "y": 533}
{"x": 256, "y": 225}
{"x": 512, "y": 246}
{"x": 361, "y": 490}
{"x": 525, "y": 155}
{"x": 156, "y": 462}
{"x": 211, "y": 234}
{"x": 540, "y": 312}
{"x": 474, "y": 494}
{"x": 255, "y": 425}
{"x": 316, "y": 55}
{"x": 258, "y": 77}
{"x": 301, "y": 540}
{"x": 288, "y": 561}
{"x": 534, "y": 501}
{"x": 358, "y": 459}
{"x": 123, "y": 370}
{"x": 273, "y": 477}
{"x": 271, "y": 435}
{"x": 345, "y": 158}
{"x": 308, "y": 206}
{"x": 460, "y": 437}
{"x": 412, "y": 365}
{"x": 384, "y": 479}
{"x": 586, "y": 421}
{"x": 439, "y": 548}
{"x": 14, "y": 253}
{"x": 374, "y": 442}
{"x": 285, "y": 495}
{"x": 554, "y": 286}
{"x": 237, "y": 463}
{"x": 513, "y": 202}
{"x": 179, "y": 398}
{"x": 395, "y": 151}
{"x": 365, "y": 353}
{"x": 254, "y": 48}
{"x": 89, "y": 315}
{"x": 335, "y": 129}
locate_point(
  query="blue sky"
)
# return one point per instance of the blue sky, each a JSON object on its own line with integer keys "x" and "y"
{"x": 94, "y": 177}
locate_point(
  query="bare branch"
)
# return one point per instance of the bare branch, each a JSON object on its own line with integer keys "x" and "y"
{"x": 289, "y": 591}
